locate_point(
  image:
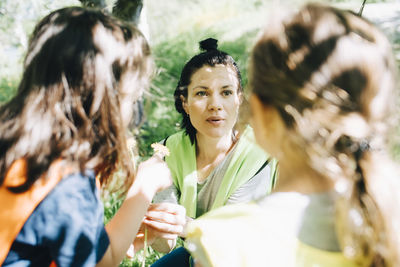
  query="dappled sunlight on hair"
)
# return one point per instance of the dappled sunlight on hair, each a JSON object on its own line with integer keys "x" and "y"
{"x": 69, "y": 102}
{"x": 331, "y": 76}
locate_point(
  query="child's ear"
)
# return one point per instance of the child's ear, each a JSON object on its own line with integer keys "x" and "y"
{"x": 262, "y": 114}
{"x": 269, "y": 127}
{"x": 260, "y": 118}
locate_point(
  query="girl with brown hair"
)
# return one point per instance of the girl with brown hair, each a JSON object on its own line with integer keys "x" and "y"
{"x": 65, "y": 128}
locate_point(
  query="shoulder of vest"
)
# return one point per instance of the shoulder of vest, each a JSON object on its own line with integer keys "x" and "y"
{"x": 175, "y": 139}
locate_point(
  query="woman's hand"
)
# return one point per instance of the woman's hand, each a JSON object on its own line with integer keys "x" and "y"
{"x": 166, "y": 220}
{"x": 163, "y": 222}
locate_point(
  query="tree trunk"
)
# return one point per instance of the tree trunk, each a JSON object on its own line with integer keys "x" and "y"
{"x": 128, "y": 10}
{"x": 93, "y": 3}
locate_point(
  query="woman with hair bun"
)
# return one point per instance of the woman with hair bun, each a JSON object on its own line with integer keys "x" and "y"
{"x": 212, "y": 163}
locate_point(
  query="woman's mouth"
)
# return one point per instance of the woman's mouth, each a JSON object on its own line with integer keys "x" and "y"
{"x": 215, "y": 120}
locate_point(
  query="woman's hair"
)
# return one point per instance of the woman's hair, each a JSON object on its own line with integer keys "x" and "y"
{"x": 68, "y": 101}
{"x": 210, "y": 57}
{"x": 331, "y": 76}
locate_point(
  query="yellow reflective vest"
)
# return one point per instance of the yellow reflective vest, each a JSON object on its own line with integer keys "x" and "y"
{"x": 245, "y": 235}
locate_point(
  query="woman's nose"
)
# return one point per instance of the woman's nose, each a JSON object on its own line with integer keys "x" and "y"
{"x": 215, "y": 103}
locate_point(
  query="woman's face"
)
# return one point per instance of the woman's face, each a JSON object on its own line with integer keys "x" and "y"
{"x": 213, "y": 100}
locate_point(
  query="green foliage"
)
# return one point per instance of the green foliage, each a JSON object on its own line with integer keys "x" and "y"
{"x": 8, "y": 88}
{"x": 150, "y": 257}
{"x": 112, "y": 202}
{"x": 17, "y": 19}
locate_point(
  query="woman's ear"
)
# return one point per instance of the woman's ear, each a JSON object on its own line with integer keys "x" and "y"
{"x": 184, "y": 104}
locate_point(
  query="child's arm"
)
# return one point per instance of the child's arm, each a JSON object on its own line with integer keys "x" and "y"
{"x": 153, "y": 175}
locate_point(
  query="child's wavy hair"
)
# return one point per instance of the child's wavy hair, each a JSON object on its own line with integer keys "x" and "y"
{"x": 81, "y": 66}
{"x": 331, "y": 75}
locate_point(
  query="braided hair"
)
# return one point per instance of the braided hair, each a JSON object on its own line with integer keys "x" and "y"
{"x": 330, "y": 75}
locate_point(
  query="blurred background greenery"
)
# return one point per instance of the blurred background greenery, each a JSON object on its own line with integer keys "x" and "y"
{"x": 173, "y": 28}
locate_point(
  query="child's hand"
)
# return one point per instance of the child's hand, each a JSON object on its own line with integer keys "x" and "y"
{"x": 152, "y": 176}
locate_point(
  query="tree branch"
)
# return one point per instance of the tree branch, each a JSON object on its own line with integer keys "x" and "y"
{"x": 362, "y": 8}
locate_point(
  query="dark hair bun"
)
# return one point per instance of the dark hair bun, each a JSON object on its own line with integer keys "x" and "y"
{"x": 209, "y": 44}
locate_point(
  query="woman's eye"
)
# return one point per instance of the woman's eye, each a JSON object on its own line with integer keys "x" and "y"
{"x": 227, "y": 92}
{"x": 201, "y": 93}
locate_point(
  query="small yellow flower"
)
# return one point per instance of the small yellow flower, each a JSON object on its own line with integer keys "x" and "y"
{"x": 160, "y": 149}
